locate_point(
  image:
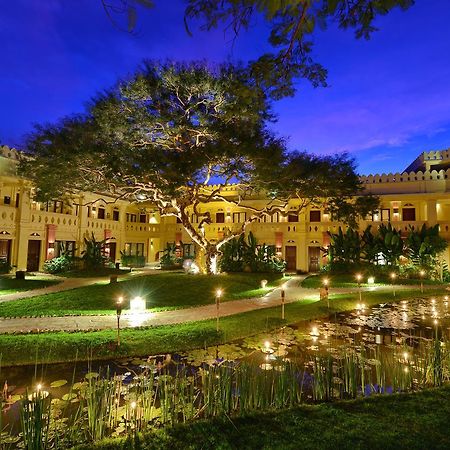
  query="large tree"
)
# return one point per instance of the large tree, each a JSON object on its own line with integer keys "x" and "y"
{"x": 176, "y": 135}
{"x": 291, "y": 26}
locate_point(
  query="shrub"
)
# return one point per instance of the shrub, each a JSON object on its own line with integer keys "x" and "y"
{"x": 132, "y": 260}
{"x": 239, "y": 255}
{"x": 5, "y": 266}
{"x": 58, "y": 265}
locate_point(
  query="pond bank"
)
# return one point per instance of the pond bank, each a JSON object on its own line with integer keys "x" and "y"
{"x": 52, "y": 347}
{"x": 413, "y": 421}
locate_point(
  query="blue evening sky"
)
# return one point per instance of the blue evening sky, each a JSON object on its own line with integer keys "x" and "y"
{"x": 388, "y": 98}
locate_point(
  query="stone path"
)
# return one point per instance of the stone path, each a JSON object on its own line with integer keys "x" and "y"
{"x": 293, "y": 292}
{"x": 72, "y": 283}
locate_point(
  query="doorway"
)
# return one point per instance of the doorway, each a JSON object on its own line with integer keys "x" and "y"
{"x": 34, "y": 248}
{"x": 290, "y": 252}
{"x": 110, "y": 251}
{"x": 314, "y": 258}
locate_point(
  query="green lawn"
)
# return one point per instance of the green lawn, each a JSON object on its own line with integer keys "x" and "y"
{"x": 347, "y": 281}
{"x": 400, "y": 421}
{"x": 62, "y": 346}
{"x": 10, "y": 285}
{"x": 162, "y": 291}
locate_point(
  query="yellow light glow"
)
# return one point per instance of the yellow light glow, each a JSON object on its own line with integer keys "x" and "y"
{"x": 393, "y": 275}
{"x": 325, "y": 281}
{"x": 267, "y": 344}
{"x": 219, "y": 293}
{"x": 358, "y": 277}
{"x": 405, "y": 355}
{"x": 137, "y": 304}
{"x": 371, "y": 280}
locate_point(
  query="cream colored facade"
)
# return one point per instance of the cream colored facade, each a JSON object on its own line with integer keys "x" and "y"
{"x": 30, "y": 231}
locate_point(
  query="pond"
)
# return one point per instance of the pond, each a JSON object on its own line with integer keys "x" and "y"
{"x": 384, "y": 349}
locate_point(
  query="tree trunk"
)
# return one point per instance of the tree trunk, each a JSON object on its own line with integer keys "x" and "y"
{"x": 211, "y": 259}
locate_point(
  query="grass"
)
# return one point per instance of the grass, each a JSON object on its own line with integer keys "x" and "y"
{"x": 413, "y": 421}
{"x": 10, "y": 285}
{"x": 349, "y": 281}
{"x": 63, "y": 346}
{"x": 162, "y": 291}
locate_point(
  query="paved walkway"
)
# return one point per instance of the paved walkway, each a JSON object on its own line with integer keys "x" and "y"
{"x": 73, "y": 283}
{"x": 293, "y": 292}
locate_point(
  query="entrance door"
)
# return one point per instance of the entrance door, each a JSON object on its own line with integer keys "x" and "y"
{"x": 110, "y": 251}
{"x": 5, "y": 255}
{"x": 314, "y": 258}
{"x": 34, "y": 248}
{"x": 290, "y": 252}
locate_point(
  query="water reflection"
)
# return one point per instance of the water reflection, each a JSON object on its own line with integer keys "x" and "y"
{"x": 385, "y": 331}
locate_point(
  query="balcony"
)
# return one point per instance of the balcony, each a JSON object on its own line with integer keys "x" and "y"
{"x": 7, "y": 216}
{"x": 67, "y": 221}
{"x": 142, "y": 229}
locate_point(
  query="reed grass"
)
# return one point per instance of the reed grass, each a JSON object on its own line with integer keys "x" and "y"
{"x": 170, "y": 394}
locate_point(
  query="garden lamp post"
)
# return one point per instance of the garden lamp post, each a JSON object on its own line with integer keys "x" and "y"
{"x": 422, "y": 274}
{"x": 325, "y": 282}
{"x": 219, "y": 293}
{"x": 393, "y": 277}
{"x": 118, "y": 313}
{"x": 283, "y": 293}
{"x": 358, "y": 279}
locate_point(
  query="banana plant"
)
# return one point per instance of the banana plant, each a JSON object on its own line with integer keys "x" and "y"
{"x": 345, "y": 246}
{"x": 425, "y": 244}
{"x": 390, "y": 243}
{"x": 369, "y": 246}
{"x": 93, "y": 253}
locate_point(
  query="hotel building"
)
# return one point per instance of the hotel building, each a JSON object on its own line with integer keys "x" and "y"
{"x": 31, "y": 232}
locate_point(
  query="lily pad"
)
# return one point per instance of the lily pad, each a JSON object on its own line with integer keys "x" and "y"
{"x": 69, "y": 396}
{"x": 58, "y": 383}
{"x": 91, "y": 375}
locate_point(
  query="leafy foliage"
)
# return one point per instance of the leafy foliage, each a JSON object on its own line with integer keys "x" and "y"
{"x": 63, "y": 262}
{"x": 60, "y": 264}
{"x": 5, "y": 266}
{"x": 345, "y": 247}
{"x": 169, "y": 132}
{"x": 390, "y": 243}
{"x": 93, "y": 254}
{"x": 132, "y": 260}
{"x": 239, "y": 254}
{"x": 421, "y": 247}
{"x": 425, "y": 244}
{"x": 169, "y": 259}
{"x": 291, "y": 25}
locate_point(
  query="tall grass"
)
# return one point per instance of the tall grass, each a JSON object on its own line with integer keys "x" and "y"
{"x": 176, "y": 393}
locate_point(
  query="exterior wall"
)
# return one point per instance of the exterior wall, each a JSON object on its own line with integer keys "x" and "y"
{"x": 22, "y": 220}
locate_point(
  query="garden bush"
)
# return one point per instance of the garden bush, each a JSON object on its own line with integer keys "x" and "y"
{"x": 58, "y": 265}
{"x": 132, "y": 260}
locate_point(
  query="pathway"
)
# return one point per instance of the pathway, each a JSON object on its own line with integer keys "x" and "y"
{"x": 293, "y": 292}
{"x": 73, "y": 283}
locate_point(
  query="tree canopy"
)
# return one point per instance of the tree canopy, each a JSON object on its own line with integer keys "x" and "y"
{"x": 291, "y": 28}
{"x": 176, "y": 135}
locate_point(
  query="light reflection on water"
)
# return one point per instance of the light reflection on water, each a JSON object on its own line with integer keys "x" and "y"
{"x": 397, "y": 328}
